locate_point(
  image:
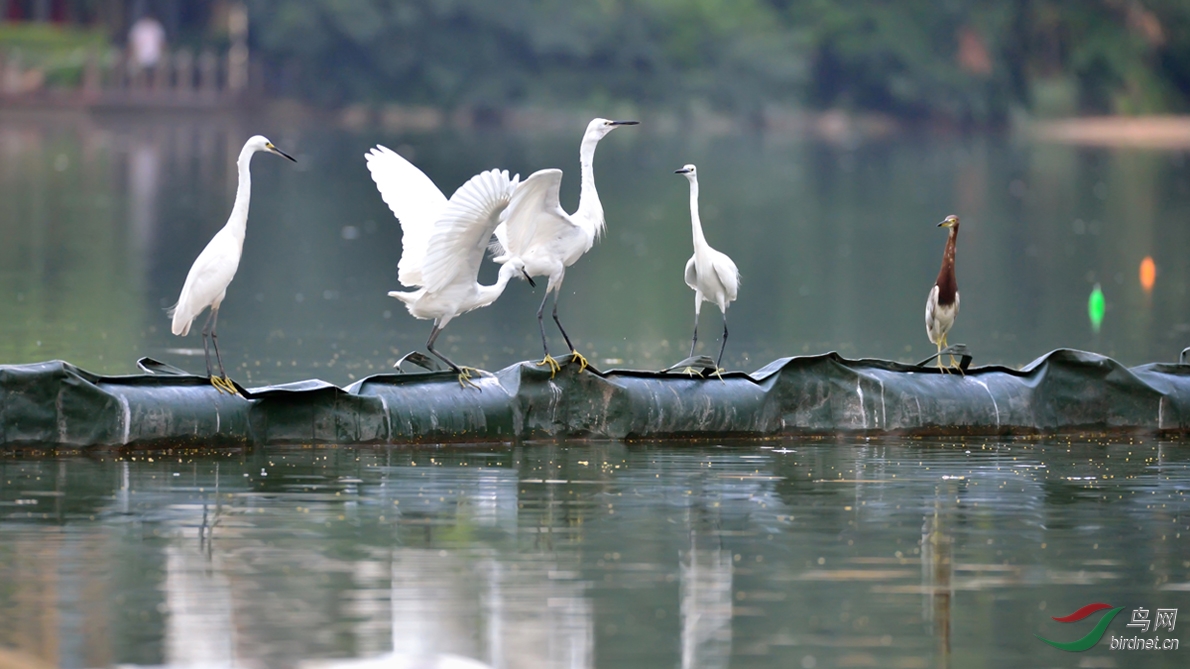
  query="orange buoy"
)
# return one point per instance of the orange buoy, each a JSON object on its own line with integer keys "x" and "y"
{"x": 1148, "y": 273}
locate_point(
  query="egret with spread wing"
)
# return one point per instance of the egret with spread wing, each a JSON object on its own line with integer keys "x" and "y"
{"x": 443, "y": 241}
{"x": 710, "y": 273}
{"x": 206, "y": 283}
{"x": 545, "y": 239}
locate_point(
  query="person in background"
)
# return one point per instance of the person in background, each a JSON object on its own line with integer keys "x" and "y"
{"x": 146, "y": 41}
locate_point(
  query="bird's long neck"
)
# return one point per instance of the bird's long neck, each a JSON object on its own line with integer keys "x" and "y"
{"x": 948, "y": 286}
{"x": 237, "y": 223}
{"x": 485, "y": 295}
{"x": 695, "y": 221}
{"x": 590, "y": 210}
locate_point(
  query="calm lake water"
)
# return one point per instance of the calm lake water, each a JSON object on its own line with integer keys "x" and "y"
{"x": 771, "y": 554}
{"x": 836, "y": 242}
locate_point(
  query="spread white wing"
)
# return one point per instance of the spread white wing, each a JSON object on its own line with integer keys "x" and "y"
{"x": 534, "y": 215}
{"x": 462, "y": 232}
{"x": 414, "y": 200}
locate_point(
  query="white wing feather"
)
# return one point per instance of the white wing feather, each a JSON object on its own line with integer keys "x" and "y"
{"x": 462, "y": 232}
{"x": 414, "y": 200}
{"x": 207, "y": 280}
{"x": 729, "y": 276}
{"x": 534, "y": 215}
{"x": 692, "y": 273}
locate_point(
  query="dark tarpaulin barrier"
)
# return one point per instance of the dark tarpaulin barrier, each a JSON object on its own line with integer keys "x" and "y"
{"x": 1063, "y": 392}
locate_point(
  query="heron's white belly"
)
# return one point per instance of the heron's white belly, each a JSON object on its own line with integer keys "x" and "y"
{"x": 942, "y": 319}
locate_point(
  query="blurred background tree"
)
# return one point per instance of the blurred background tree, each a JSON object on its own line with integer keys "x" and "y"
{"x": 962, "y": 60}
{"x": 958, "y": 61}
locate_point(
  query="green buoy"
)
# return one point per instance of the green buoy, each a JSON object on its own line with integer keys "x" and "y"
{"x": 1095, "y": 308}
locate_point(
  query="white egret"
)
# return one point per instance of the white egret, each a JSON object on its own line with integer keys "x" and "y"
{"x": 443, "y": 241}
{"x": 710, "y": 273}
{"x": 942, "y": 306}
{"x": 544, "y": 238}
{"x": 206, "y": 283}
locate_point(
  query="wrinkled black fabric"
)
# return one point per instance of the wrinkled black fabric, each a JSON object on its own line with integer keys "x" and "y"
{"x": 1063, "y": 392}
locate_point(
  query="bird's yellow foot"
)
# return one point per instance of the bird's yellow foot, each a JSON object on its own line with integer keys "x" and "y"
{"x": 955, "y": 365}
{"x": 575, "y": 356}
{"x": 224, "y": 384}
{"x": 692, "y": 372}
{"x": 553, "y": 364}
{"x": 719, "y": 373}
{"x": 465, "y": 377}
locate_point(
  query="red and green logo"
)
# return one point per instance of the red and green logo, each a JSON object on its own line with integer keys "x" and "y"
{"x": 1094, "y": 635}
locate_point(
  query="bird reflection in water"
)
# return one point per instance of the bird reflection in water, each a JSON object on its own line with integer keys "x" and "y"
{"x": 937, "y": 568}
{"x": 705, "y": 595}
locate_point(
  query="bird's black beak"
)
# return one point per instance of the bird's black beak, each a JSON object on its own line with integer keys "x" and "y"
{"x": 682, "y": 171}
{"x": 281, "y": 153}
{"x": 528, "y": 278}
{"x": 624, "y": 123}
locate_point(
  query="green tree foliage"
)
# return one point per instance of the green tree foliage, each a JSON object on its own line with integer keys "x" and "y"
{"x": 1046, "y": 56}
{"x": 966, "y": 60}
{"x": 476, "y": 52}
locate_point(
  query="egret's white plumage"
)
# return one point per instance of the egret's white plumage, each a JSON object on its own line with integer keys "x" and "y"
{"x": 206, "y": 283}
{"x": 538, "y": 233}
{"x": 414, "y": 200}
{"x": 443, "y": 241}
{"x": 710, "y": 273}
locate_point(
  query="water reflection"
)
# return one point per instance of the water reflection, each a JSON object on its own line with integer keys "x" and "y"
{"x": 705, "y": 594}
{"x": 937, "y": 568}
{"x": 889, "y": 553}
{"x": 104, "y": 215}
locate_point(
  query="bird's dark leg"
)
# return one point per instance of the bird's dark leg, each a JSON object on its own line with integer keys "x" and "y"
{"x": 548, "y": 359}
{"x": 463, "y": 372}
{"x": 574, "y": 353}
{"x": 208, "y": 330}
{"x": 559, "y": 323}
{"x": 541, "y": 323}
{"x": 719, "y": 362}
{"x": 224, "y": 382}
{"x": 430, "y": 347}
{"x": 694, "y": 340}
{"x": 206, "y": 349}
{"x": 215, "y": 341}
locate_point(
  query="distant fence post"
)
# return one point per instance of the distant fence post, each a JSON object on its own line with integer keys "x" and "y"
{"x": 184, "y": 74}
{"x": 208, "y": 73}
{"x": 113, "y": 76}
{"x": 159, "y": 75}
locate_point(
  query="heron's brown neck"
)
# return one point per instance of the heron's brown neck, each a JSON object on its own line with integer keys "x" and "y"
{"x": 948, "y": 287}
